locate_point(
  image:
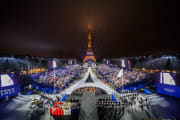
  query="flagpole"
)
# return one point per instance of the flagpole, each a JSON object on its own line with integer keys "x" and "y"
{"x": 54, "y": 81}
{"x": 54, "y": 66}
{"x": 122, "y": 82}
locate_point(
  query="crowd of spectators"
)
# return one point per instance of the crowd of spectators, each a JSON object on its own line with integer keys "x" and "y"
{"x": 111, "y": 73}
{"x": 62, "y": 75}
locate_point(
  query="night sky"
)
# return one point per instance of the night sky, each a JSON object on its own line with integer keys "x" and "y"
{"x": 59, "y": 28}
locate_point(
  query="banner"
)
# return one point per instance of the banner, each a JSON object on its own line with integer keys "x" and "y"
{"x": 120, "y": 74}
{"x": 171, "y": 90}
{"x": 9, "y": 91}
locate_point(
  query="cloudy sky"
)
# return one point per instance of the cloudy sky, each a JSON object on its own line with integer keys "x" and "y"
{"x": 59, "y": 28}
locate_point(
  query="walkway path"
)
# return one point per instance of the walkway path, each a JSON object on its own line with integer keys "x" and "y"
{"x": 96, "y": 83}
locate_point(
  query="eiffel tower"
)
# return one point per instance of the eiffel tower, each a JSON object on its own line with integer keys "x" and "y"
{"x": 89, "y": 54}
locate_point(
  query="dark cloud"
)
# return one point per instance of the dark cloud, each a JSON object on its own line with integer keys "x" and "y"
{"x": 59, "y": 28}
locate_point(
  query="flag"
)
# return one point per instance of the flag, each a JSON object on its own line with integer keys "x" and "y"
{"x": 114, "y": 98}
{"x": 54, "y": 76}
{"x": 64, "y": 98}
{"x": 120, "y": 74}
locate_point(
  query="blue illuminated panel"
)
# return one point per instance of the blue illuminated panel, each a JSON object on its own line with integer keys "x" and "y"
{"x": 6, "y": 80}
{"x": 170, "y": 90}
{"x": 167, "y": 85}
{"x": 9, "y": 91}
{"x": 7, "y": 86}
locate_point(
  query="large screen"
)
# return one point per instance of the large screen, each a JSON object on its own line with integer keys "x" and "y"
{"x": 8, "y": 85}
{"x": 6, "y": 80}
{"x": 166, "y": 78}
{"x": 167, "y": 85}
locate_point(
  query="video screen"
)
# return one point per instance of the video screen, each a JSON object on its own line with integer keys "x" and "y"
{"x": 166, "y": 78}
{"x": 6, "y": 80}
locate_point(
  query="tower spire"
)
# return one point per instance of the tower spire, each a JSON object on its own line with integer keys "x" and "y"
{"x": 89, "y": 37}
{"x": 89, "y": 53}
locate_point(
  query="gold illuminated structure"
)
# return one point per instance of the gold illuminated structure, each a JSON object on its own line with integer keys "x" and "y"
{"x": 89, "y": 54}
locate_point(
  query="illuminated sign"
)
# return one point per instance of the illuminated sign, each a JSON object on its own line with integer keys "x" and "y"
{"x": 167, "y": 85}
{"x": 171, "y": 90}
{"x": 9, "y": 91}
{"x": 8, "y": 86}
{"x": 166, "y": 78}
{"x": 6, "y": 80}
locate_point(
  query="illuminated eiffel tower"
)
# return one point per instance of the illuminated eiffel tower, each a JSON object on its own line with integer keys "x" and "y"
{"x": 89, "y": 54}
